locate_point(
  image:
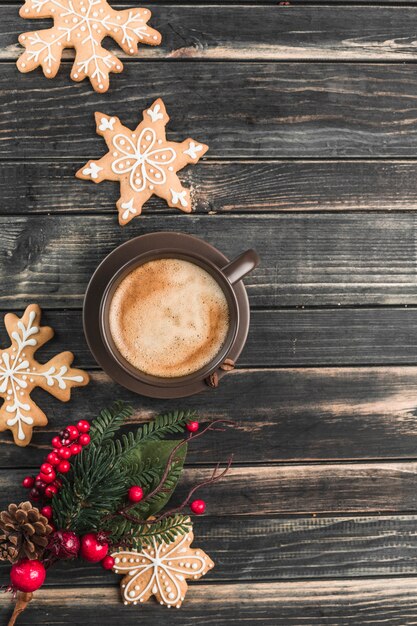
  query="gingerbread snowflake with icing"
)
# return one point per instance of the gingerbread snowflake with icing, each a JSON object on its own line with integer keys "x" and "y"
{"x": 161, "y": 570}
{"x": 20, "y": 373}
{"x": 83, "y": 24}
{"x": 143, "y": 161}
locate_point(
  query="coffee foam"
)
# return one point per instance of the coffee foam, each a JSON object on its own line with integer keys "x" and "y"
{"x": 169, "y": 318}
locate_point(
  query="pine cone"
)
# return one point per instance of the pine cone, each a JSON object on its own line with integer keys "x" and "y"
{"x": 23, "y": 532}
{"x": 8, "y": 553}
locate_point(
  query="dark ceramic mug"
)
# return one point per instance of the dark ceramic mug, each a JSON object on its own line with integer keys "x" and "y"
{"x": 226, "y": 277}
{"x": 145, "y": 248}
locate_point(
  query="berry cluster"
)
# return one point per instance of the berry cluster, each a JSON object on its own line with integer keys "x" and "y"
{"x": 69, "y": 443}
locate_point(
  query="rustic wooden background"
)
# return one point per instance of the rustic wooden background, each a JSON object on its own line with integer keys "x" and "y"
{"x": 310, "y": 112}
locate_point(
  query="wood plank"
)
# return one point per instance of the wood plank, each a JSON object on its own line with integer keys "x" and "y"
{"x": 308, "y": 109}
{"x": 204, "y": 603}
{"x": 287, "y": 338}
{"x": 284, "y": 549}
{"x": 318, "y": 259}
{"x": 306, "y": 414}
{"x": 344, "y": 602}
{"x": 259, "y": 33}
{"x": 254, "y": 3}
{"x": 296, "y": 489}
{"x": 223, "y": 187}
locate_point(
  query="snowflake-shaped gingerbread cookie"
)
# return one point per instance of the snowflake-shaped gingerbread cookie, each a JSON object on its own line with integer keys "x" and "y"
{"x": 143, "y": 161}
{"x": 161, "y": 570}
{"x": 83, "y": 24}
{"x": 20, "y": 373}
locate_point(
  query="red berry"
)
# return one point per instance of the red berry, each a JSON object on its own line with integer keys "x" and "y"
{"x": 47, "y": 511}
{"x": 64, "y": 467}
{"x": 193, "y": 427}
{"x": 64, "y": 453}
{"x": 72, "y": 433}
{"x": 40, "y": 484}
{"x": 84, "y": 440}
{"x": 27, "y": 575}
{"x": 56, "y": 442}
{"x": 34, "y": 494}
{"x": 57, "y": 483}
{"x": 48, "y": 478}
{"x": 28, "y": 482}
{"x": 92, "y": 549}
{"x": 107, "y": 562}
{"x": 198, "y": 507}
{"x": 64, "y": 544}
{"x": 83, "y": 426}
{"x": 53, "y": 458}
{"x": 46, "y": 468}
{"x": 65, "y": 440}
{"x": 75, "y": 449}
{"x": 51, "y": 491}
{"x": 135, "y": 494}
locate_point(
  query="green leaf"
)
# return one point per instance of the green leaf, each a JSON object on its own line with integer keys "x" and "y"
{"x": 155, "y": 454}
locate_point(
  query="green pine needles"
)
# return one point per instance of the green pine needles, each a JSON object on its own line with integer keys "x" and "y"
{"x": 93, "y": 496}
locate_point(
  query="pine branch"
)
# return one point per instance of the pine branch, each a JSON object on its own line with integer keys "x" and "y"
{"x": 167, "y": 530}
{"x": 87, "y": 494}
{"x": 159, "y": 428}
{"x": 108, "y": 422}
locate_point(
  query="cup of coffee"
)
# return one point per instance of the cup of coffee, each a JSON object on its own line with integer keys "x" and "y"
{"x": 168, "y": 316}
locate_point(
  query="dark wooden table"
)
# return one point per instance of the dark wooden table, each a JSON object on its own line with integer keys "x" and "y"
{"x": 311, "y": 116}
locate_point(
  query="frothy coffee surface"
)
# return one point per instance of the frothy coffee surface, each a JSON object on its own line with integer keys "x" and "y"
{"x": 169, "y": 318}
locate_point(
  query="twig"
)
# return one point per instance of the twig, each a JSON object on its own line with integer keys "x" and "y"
{"x": 22, "y": 601}
{"x": 214, "y": 478}
{"x": 125, "y": 510}
{"x": 177, "y": 447}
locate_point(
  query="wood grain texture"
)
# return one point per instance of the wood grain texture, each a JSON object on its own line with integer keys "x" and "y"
{"x": 335, "y": 603}
{"x": 223, "y": 187}
{"x": 258, "y": 33}
{"x": 308, "y": 414}
{"x": 301, "y": 489}
{"x": 284, "y": 549}
{"x": 306, "y": 259}
{"x": 241, "y": 109}
{"x": 288, "y": 338}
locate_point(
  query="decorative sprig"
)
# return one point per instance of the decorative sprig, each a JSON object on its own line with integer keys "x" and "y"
{"x": 95, "y": 488}
{"x": 112, "y": 497}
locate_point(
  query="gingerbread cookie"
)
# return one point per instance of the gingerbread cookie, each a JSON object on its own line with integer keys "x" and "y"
{"x": 20, "y": 373}
{"x": 161, "y": 571}
{"x": 83, "y": 24}
{"x": 143, "y": 161}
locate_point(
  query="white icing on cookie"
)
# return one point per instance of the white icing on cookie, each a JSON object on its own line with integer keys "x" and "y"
{"x": 154, "y": 113}
{"x": 160, "y": 570}
{"x": 107, "y": 124}
{"x": 179, "y": 196}
{"x": 83, "y": 24}
{"x": 130, "y": 209}
{"x": 145, "y": 163}
{"x": 193, "y": 149}
{"x": 92, "y": 170}
{"x": 14, "y": 370}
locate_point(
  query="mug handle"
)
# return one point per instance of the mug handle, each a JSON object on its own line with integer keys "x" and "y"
{"x": 242, "y": 265}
